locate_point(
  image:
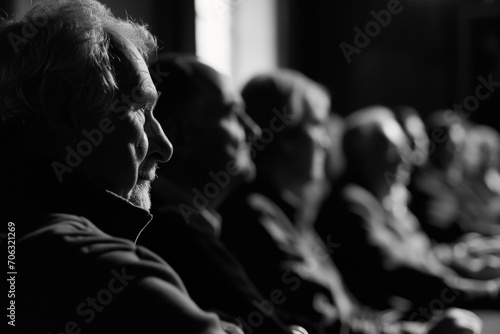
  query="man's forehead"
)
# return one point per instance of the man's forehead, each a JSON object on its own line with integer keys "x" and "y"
{"x": 134, "y": 77}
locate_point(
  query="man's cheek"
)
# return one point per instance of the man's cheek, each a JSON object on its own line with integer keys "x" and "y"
{"x": 142, "y": 147}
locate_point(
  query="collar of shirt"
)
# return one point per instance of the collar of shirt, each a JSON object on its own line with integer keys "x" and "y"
{"x": 34, "y": 191}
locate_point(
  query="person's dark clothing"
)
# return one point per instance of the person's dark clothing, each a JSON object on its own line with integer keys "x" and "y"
{"x": 447, "y": 209}
{"x": 435, "y": 206}
{"x": 370, "y": 257}
{"x": 77, "y": 265}
{"x": 214, "y": 278}
{"x": 383, "y": 255}
{"x": 262, "y": 237}
{"x": 280, "y": 256}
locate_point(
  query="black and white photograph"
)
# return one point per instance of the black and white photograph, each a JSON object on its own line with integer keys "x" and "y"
{"x": 250, "y": 166}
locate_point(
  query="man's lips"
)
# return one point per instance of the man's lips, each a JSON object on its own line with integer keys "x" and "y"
{"x": 147, "y": 177}
{"x": 148, "y": 172}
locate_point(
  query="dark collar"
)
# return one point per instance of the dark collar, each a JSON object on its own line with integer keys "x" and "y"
{"x": 33, "y": 190}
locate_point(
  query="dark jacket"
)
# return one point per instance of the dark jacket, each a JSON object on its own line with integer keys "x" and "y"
{"x": 373, "y": 258}
{"x": 212, "y": 275}
{"x": 77, "y": 265}
{"x": 280, "y": 256}
{"x": 385, "y": 254}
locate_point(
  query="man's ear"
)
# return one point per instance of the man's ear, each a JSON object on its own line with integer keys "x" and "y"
{"x": 62, "y": 120}
{"x": 64, "y": 124}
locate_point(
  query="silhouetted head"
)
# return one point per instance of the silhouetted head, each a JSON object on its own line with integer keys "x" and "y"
{"x": 447, "y": 134}
{"x": 374, "y": 145}
{"x": 481, "y": 151}
{"x": 292, "y": 110}
{"x": 204, "y": 117}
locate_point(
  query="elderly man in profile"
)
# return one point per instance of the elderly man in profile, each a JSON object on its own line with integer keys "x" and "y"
{"x": 80, "y": 147}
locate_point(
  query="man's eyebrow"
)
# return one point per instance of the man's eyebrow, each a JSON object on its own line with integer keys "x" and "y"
{"x": 146, "y": 95}
{"x": 151, "y": 95}
{"x": 154, "y": 100}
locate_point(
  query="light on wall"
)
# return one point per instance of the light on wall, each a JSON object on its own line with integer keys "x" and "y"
{"x": 237, "y": 37}
{"x": 213, "y": 33}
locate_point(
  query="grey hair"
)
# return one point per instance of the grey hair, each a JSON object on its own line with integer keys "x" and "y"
{"x": 59, "y": 55}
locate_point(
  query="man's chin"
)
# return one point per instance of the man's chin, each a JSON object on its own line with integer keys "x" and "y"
{"x": 140, "y": 195}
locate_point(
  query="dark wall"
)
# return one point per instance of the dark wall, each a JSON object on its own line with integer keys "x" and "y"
{"x": 429, "y": 55}
{"x": 171, "y": 21}
{"x": 174, "y": 25}
{"x": 416, "y": 59}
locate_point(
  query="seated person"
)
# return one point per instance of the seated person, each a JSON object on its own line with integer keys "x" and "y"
{"x": 204, "y": 116}
{"x": 79, "y": 147}
{"x": 384, "y": 252}
{"x": 334, "y": 167}
{"x": 434, "y": 201}
{"x": 262, "y": 220}
{"x": 479, "y": 193}
{"x": 476, "y": 202}
{"x": 450, "y": 194}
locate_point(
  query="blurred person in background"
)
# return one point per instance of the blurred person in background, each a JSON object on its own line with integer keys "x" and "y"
{"x": 479, "y": 193}
{"x": 434, "y": 201}
{"x": 317, "y": 189}
{"x": 453, "y": 195}
{"x": 384, "y": 251}
{"x": 204, "y": 117}
{"x": 80, "y": 147}
{"x": 263, "y": 224}
{"x": 262, "y": 216}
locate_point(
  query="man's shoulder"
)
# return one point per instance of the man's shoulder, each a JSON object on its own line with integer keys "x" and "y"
{"x": 58, "y": 225}
{"x": 68, "y": 260}
{"x": 62, "y": 236}
{"x": 64, "y": 241}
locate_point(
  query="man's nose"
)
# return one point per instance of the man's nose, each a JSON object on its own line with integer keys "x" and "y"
{"x": 159, "y": 146}
{"x": 253, "y": 131}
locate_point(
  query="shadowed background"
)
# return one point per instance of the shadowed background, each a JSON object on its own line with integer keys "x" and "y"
{"x": 428, "y": 56}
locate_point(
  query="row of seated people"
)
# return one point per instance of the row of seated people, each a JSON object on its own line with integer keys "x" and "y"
{"x": 236, "y": 244}
{"x": 456, "y": 190}
{"x": 233, "y": 208}
{"x": 389, "y": 256}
